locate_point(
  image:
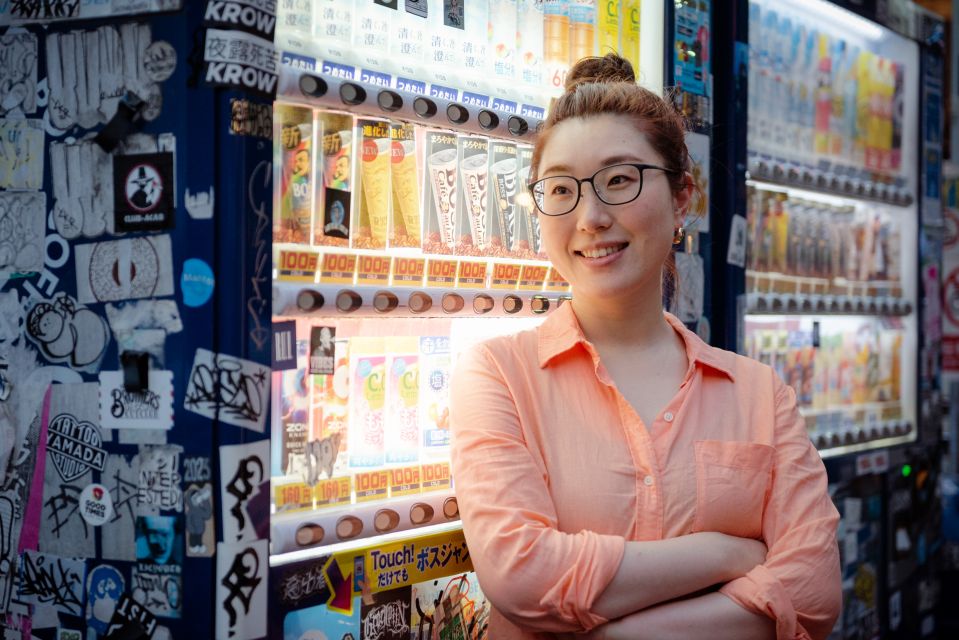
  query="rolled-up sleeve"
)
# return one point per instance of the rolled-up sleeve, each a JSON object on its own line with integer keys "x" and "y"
{"x": 540, "y": 578}
{"x": 799, "y": 585}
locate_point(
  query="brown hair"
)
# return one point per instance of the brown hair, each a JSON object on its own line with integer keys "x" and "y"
{"x": 596, "y": 86}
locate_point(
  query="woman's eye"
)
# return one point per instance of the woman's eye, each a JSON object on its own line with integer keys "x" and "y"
{"x": 619, "y": 180}
{"x": 560, "y": 190}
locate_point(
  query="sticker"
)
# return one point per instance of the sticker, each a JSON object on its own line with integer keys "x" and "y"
{"x": 67, "y": 332}
{"x": 95, "y": 504}
{"x": 143, "y": 192}
{"x": 199, "y": 205}
{"x": 82, "y": 175}
{"x": 124, "y": 269}
{"x": 21, "y": 154}
{"x": 46, "y": 579}
{"x": 284, "y": 345}
{"x": 22, "y": 233}
{"x": 159, "y": 540}
{"x": 159, "y": 60}
{"x": 198, "y": 507}
{"x": 158, "y": 487}
{"x": 41, "y": 10}
{"x": 69, "y": 634}
{"x": 250, "y": 118}
{"x": 18, "y": 73}
{"x": 74, "y": 446}
{"x": 736, "y": 251}
{"x": 234, "y": 390}
{"x": 130, "y": 620}
{"x": 241, "y": 590}
{"x": 236, "y": 59}
{"x": 104, "y": 586}
{"x": 196, "y": 283}
{"x": 319, "y": 621}
{"x": 321, "y": 350}
{"x": 388, "y": 616}
{"x": 697, "y": 215}
{"x": 151, "y": 408}
{"x": 258, "y": 18}
{"x": 688, "y": 303}
{"x": 161, "y": 586}
{"x": 243, "y": 469}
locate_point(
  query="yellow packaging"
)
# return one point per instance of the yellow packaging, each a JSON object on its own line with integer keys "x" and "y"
{"x": 607, "y": 22}
{"x": 370, "y": 226}
{"x": 629, "y": 31}
{"x": 405, "y": 221}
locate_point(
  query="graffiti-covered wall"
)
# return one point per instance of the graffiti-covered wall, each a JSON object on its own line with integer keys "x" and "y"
{"x": 134, "y": 191}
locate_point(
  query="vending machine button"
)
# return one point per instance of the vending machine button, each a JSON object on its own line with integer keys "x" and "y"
{"x": 419, "y": 302}
{"x": 389, "y": 100}
{"x": 482, "y": 304}
{"x": 457, "y": 113}
{"x": 512, "y": 304}
{"x": 384, "y": 301}
{"x": 452, "y": 302}
{"x": 487, "y": 119}
{"x": 517, "y": 126}
{"x": 309, "y": 300}
{"x": 313, "y": 86}
{"x": 424, "y": 107}
{"x": 352, "y": 94}
{"x": 347, "y": 301}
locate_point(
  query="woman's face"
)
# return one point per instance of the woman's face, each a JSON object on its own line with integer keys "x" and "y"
{"x": 609, "y": 250}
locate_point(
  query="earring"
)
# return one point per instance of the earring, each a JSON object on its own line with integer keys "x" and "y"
{"x": 678, "y": 234}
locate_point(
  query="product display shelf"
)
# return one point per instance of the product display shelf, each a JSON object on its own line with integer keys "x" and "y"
{"x": 838, "y": 181}
{"x": 758, "y": 303}
{"x": 499, "y": 119}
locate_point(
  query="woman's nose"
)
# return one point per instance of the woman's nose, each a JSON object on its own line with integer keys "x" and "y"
{"x": 591, "y": 212}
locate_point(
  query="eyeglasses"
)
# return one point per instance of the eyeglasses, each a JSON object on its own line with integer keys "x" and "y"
{"x": 615, "y": 184}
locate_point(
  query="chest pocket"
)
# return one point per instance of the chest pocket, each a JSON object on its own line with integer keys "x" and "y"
{"x": 732, "y": 481}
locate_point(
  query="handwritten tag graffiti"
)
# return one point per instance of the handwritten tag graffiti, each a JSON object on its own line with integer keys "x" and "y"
{"x": 230, "y": 389}
{"x": 241, "y": 589}
{"x": 117, "y": 536}
{"x": 8, "y": 547}
{"x": 104, "y": 585}
{"x": 243, "y": 468}
{"x": 82, "y": 175}
{"x": 159, "y": 484}
{"x": 67, "y": 332}
{"x": 388, "y": 618}
{"x": 304, "y": 584}
{"x": 197, "y": 469}
{"x": 46, "y": 579}
{"x": 18, "y": 76}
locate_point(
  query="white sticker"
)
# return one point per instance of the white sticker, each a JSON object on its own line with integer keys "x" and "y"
{"x": 151, "y": 408}
{"x": 96, "y": 504}
{"x": 736, "y": 252}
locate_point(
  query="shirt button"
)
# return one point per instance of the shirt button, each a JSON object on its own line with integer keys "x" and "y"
{"x": 668, "y": 416}
{"x": 648, "y": 480}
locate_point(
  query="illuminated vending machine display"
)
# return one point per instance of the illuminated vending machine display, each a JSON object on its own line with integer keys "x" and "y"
{"x": 402, "y": 234}
{"x": 831, "y": 224}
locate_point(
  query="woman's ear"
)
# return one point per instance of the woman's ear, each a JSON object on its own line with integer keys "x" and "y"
{"x": 683, "y": 198}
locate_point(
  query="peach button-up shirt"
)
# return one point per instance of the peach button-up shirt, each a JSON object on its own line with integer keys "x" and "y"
{"x": 554, "y": 471}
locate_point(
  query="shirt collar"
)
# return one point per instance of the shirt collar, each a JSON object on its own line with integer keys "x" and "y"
{"x": 560, "y": 332}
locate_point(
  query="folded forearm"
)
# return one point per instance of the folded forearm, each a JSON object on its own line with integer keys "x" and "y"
{"x": 658, "y": 571}
{"x": 711, "y": 616}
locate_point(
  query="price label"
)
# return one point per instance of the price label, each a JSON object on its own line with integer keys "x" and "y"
{"x": 296, "y": 496}
{"x": 332, "y": 492}
{"x": 404, "y": 481}
{"x": 471, "y": 274}
{"x": 505, "y": 276}
{"x": 532, "y": 277}
{"x": 440, "y": 273}
{"x": 338, "y": 268}
{"x": 436, "y": 476}
{"x": 373, "y": 270}
{"x": 297, "y": 266}
{"x": 372, "y": 485}
{"x": 556, "y": 282}
{"x": 408, "y": 271}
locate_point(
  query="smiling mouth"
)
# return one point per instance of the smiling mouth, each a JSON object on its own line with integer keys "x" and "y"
{"x": 602, "y": 252}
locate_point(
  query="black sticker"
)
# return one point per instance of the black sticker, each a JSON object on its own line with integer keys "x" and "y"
{"x": 143, "y": 191}
{"x": 336, "y": 218}
{"x": 321, "y": 350}
{"x": 131, "y": 621}
{"x": 74, "y": 446}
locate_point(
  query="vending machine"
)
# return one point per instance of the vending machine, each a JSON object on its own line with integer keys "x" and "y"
{"x": 402, "y": 234}
{"x": 134, "y": 318}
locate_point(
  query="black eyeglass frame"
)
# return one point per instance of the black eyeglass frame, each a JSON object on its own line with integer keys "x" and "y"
{"x": 579, "y": 185}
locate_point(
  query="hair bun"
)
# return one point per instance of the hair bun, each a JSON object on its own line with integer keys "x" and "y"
{"x": 609, "y": 68}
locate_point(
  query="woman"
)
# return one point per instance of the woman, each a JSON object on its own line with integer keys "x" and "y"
{"x": 617, "y": 476}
